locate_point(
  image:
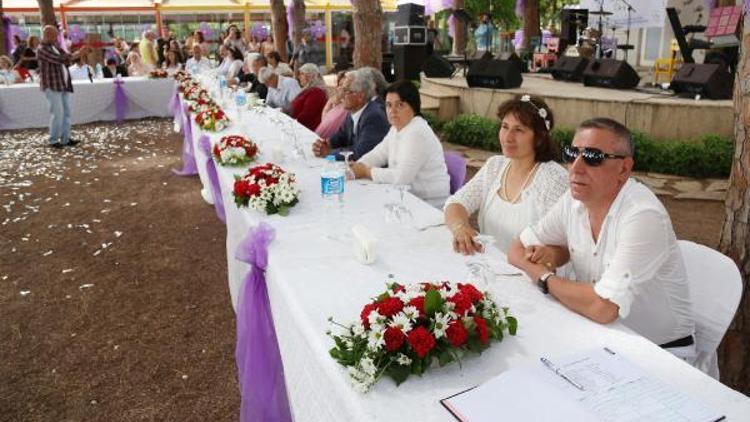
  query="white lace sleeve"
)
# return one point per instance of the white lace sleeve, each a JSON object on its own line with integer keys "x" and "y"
{"x": 550, "y": 186}
{"x": 471, "y": 195}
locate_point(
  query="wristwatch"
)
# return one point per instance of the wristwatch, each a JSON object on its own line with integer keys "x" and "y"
{"x": 542, "y": 282}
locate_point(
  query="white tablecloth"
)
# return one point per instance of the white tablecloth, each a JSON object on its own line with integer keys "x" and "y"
{"x": 311, "y": 277}
{"x": 25, "y": 106}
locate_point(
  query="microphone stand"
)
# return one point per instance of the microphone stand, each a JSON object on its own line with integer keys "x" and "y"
{"x": 627, "y": 30}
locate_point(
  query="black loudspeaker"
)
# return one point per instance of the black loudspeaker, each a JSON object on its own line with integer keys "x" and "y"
{"x": 610, "y": 73}
{"x": 499, "y": 74}
{"x": 410, "y": 14}
{"x": 571, "y": 20}
{"x": 387, "y": 67}
{"x": 523, "y": 67}
{"x": 707, "y": 80}
{"x": 569, "y": 68}
{"x": 408, "y": 60}
{"x": 437, "y": 67}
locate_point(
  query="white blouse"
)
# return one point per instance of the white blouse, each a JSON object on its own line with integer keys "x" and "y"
{"x": 481, "y": 193}
{"x": 414, "y": 157}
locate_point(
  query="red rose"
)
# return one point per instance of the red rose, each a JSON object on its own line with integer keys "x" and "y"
{"x": 418, "y": 302}
{"x": 366, "y": 312}
{"x": 390, "y": 306}
{"x": 456, "y": 333}
{"x": 394, "y": 338}
{"x": 482, "y": 329}
{"x": 462, "y": 302}
{"x": 471, "y": 291}
{"x": 421, "y": 341}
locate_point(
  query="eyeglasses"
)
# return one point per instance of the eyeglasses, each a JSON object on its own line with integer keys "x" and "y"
{"x": 593, "y": 157}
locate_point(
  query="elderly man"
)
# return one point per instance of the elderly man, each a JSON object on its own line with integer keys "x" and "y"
{"x": 365, "y": 126}
{"x": 56, "y": 84}
{"x": 281, "y": 89}
{"x": 147, "y": 48}
{"x": 258, "y": 62}
{"x": 307, "y": 108}
{"x": 198, "y": 63}
{"x": 619, "y": 240}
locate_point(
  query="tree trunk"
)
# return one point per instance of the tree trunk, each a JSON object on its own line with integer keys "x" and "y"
{"x": 47, "y": 11}
{"x": 734, "y": 358}
{"x": 368, "y": 33}
{"x": 299, "y": 22}
{"x": 459, "y": 32}
{"x": 279, "y": 27}
{"x": 530, "y": 23}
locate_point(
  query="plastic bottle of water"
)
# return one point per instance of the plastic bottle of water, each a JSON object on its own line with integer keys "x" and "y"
{"x": 99, "y": 71}
{"x": 222, "y": 85}
{"x": 240, "y": 99}
{"x": 332, "y": 180}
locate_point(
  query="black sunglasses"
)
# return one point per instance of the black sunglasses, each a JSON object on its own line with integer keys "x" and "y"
{"x": 591, "y": 156}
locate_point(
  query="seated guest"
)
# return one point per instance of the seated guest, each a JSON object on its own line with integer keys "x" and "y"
{"x": 246, "y": 75}
{"x": 410, "y": 153}
{"x": 226, "y": 61}
{"x": 619, "y": 240}
{"x": 257, "y": 87}
{"x": 135, "y": 65}
{"x": 7, "y": 74}
{"x": 334, "y": 114}
{"x": 307, "y": 107}
{"x": 279, "y": 67}
{"x": 281, "y": 89}
{"x": 198, "y": 63}
{"x": 171, "y": 63}
{"x": 111, "y": 70}
{"x": 237, "y": 61}
{"x": 380, "y": 83}
{"x": 513, "y": 190}
{"x": 28, "y": 58}
{"x": 80, "y": 71}
{"x": 366, "y": 124}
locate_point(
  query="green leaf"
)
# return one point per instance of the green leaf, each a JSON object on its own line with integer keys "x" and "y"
{"x": 512, "y": 325}
{"x": 383, "y": 296}
{"x": 399, "y": 373}
{"x": 432, "y": 302}
{"x": 283, "y": 211}
{"x": 445, "y": 357}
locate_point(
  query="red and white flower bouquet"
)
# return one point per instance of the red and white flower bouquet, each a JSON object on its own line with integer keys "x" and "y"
{"x": 405, "y": 330}
{"x": 211, "y": 118}
{"x": 235, "y": 150}
{"x": 266, "y": 188}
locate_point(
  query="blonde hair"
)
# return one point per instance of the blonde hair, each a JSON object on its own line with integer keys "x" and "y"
{"x": 6, "y": 60}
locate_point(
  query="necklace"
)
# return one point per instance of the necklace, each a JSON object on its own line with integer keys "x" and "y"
{"x": 504, "y": 189}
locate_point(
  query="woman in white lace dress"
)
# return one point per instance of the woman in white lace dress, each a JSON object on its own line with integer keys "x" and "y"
{"x": 515, "y": 189}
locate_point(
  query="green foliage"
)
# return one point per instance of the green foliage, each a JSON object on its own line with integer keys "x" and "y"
{"x": 502, "y": 11}
{"x": 433, "y": 302}
{"x": 709, "y": 156}
{"x": 435, "y": 123}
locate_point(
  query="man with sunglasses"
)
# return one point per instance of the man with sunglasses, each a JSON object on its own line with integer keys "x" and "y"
{"x": 619, "y": 240}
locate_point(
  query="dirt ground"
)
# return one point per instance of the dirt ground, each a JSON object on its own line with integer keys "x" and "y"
{"x": 113, "y": 294}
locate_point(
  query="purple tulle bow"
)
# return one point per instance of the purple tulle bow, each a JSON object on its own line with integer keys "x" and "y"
{"x": 204, "y": 144}
{"x": 259, "y": 367}
{"x": 121, "y": 101}
{"x": 189, "y": 167}
{"x": 174, "y": 103}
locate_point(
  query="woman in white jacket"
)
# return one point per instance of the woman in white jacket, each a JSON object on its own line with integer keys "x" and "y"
{"x": 513, "y": 190}
{"x": 410, "y": 150}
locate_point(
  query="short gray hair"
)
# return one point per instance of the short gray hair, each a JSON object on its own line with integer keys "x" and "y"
{"x": 362, "y": 81}
{"x": 377, "y": 77}
{"x": 250, "y": 58}
{"x": 265, "y": 73}
{"x": 623, "y": 135}
{"x": 309, "y": 68}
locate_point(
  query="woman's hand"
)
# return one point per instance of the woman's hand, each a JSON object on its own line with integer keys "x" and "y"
{"x": 463, "y": 239}
{"x": 361, "y": 171}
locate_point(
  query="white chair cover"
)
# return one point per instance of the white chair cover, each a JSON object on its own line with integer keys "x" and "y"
{"x": 715, "y": 289}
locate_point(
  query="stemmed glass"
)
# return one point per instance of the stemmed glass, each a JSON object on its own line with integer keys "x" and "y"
{"x": 398, "y": 212}
{"x": 349, "y": 172}
{"x": 479, "y": 269}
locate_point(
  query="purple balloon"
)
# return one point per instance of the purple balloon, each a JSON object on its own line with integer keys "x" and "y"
{"x": 318, "y": 29}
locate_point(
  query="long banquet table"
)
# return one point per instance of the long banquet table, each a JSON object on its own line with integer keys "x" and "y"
{"x": 25, "y": 106}
{"x": 311, "y": 277}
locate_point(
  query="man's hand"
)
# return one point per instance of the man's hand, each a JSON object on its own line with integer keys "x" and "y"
{"x": 321, "y": 148}
{"x": 361, "y": 171}
{"x": 550, "y": 256}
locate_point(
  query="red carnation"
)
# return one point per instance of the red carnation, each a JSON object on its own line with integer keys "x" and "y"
{"x": 253, "y": 189}
{"x": 239, "y": 187}
{"x": 418, "y": 302}
{"x": 471, "y": 291}
{"x": 394, "y": 338}
{"x": 390, "y": 306}
{"x": 421, "y": 341}
{"x": 217, "y": 151}
{"x": 456, "y": 333}
{"x": 482, "y": 329}
{"x": 366, "y": 312}
{"x": 462, "y": 302}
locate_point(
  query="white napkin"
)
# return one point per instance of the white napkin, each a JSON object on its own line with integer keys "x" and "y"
{"x": 363, "y": 244}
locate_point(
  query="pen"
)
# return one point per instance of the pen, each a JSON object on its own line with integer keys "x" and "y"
{"x": 554, "y": 369}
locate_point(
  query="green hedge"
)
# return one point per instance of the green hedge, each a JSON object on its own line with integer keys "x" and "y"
{"x": 710, "y": 156}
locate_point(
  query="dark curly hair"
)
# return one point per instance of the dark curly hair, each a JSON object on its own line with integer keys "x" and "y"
{"x": 527, "y": 112}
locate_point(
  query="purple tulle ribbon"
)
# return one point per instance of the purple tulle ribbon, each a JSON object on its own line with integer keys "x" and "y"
{"x": 174, "y": 103}
{"x": 259, "y": 366}
{"x": 121, "y": 101}
{"x": 189, "y": 167}
{"x": 204, "y": 143}
{"x": 10, "y": 44}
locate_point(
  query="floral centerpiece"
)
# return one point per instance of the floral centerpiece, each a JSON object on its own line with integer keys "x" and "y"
{"x": 235, "y": 150}
{"x": 158, "y": 74}
{"x": 211, "y": 118}
{"x": 406, "y": 329}
{"x": 266, "y": 188}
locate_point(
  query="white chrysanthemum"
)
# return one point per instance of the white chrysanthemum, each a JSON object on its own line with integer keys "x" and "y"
{"x": 374, "y": 318}
{"x": 402, "y": 359}
{"x": 401, "y": 321}
{"x": 411, "y": 312}
{"x": 357, "y": 328}
{"x": 375, "y": 340}
{"x": 348, "y": 343}
{"x": 445, "y": 294}
{"x": 441, "y": 324}
{"x": 368, "y": 366}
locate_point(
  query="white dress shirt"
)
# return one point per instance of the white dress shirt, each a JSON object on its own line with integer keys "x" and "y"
{"x": 355, "y": 118}
{"x": 414, "y": 157}
{"x": 636, "y": 263}
{"x": 197, "y": 66}
{"x": 283, "y": 95}
{"x": 80, "y": 72}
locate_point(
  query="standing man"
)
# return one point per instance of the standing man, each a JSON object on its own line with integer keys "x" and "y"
{"x": 56, "y": 84}
{"x": 147, "y": 49}
{"x": 484, "y": 34}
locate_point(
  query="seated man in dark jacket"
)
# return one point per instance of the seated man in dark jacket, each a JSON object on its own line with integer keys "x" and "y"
{"x": 112, "y": 69}
{"x": 364, "y": 127}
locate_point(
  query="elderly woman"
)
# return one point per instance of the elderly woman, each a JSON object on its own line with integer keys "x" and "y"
{"x": 515, "y": 189}
{"x": 410, "y": 154}
{"x": 136, "y": 67}
{"x": 307, "y": 107}
{"x": 7, "y": 74}
{"x": 334, "y": 113}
